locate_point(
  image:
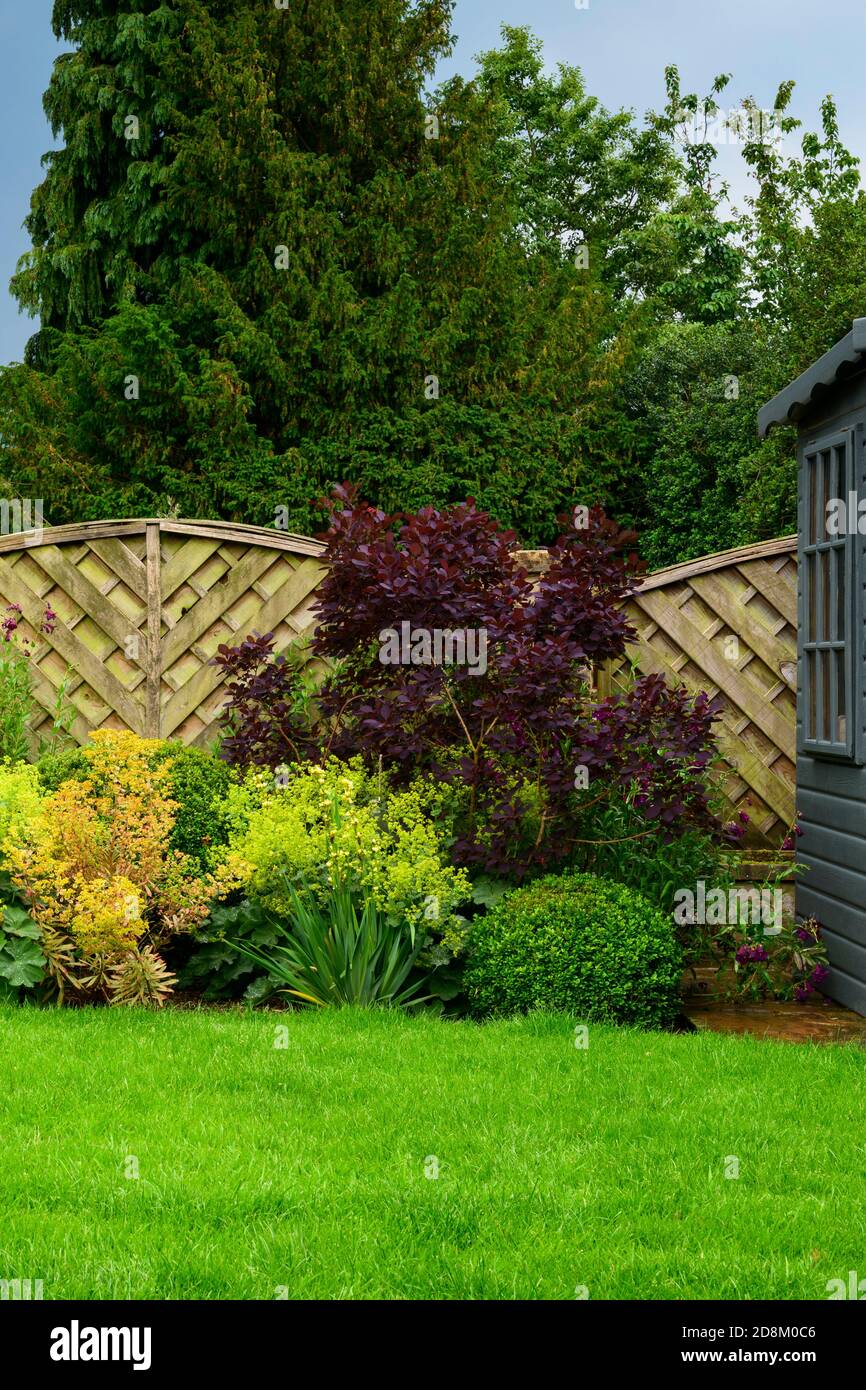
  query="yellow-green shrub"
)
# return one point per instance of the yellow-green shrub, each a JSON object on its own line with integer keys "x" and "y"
{"x": 20, "y": 800}
{"x": 97, "y": 871}
{"x": 335, "y": 825}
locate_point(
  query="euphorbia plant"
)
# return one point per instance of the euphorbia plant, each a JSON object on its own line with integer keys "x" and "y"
{"x": 517, "y": 741}
{"x": 94, "y": 867}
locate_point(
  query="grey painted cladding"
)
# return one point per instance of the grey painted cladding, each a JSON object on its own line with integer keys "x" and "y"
{"x": 831, "y": 791}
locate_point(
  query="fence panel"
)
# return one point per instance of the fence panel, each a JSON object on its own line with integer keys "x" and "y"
{"x": 142, "y": 607}
{"x": 727, "y": 624}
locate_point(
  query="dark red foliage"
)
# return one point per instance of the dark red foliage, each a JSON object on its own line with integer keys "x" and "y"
{"x": 453, "y": 566}
{"x": 510, "y": 737}
{"x": 263, "y": 722}
{"x": 655, "y": 740}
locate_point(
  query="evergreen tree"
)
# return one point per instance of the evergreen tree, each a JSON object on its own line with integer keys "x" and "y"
{"x": 263, "y": 261}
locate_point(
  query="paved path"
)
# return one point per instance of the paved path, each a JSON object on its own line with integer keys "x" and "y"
{"x": 822, "y": 1022}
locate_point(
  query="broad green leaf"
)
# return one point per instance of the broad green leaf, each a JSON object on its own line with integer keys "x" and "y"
{"x": 22, "y": 963}
{"x": 18, "y": 922}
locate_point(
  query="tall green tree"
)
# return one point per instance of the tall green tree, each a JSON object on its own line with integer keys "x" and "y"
{"x": 772, "y": 288}
{"x": 263, "y": 260}
{"x": 583, "y": 176}
{"x": 805, "y": 235}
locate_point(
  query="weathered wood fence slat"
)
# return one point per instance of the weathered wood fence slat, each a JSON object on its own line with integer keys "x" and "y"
{"x": 142, "y": 606}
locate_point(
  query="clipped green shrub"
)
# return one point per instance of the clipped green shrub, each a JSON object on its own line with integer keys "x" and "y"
{"x": 580, "y": 944}
{"x": 198, "y": 782}
{"x": 55, "y": 768}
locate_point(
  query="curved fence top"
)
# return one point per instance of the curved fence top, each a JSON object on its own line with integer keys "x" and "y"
{"x": 137, "y": 526}
{"x": 142, "y": 605}
{"x": 720, "y": 559}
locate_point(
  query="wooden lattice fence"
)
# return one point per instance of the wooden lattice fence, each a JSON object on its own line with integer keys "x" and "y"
{"x": 142, "y": 607}
{"x": 727, "y": 624}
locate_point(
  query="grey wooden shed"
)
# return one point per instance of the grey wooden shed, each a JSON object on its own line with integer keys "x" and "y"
{"x": 828, "y": 404}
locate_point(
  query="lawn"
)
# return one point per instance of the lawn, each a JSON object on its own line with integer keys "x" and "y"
{"x": 304, "y": 1168}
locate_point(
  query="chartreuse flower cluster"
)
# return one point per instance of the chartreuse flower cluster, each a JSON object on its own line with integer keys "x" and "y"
{"x": 20, "y": 801}
{"x": 338, "y": 825}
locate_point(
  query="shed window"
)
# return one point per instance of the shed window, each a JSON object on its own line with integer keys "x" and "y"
{"x": 828, "y": 556}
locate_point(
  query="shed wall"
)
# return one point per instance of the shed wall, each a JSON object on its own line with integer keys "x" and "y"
{"x": 831, "y": 795}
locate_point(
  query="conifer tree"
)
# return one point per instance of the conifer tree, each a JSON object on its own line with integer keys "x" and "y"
{"x": 264, "y": 261}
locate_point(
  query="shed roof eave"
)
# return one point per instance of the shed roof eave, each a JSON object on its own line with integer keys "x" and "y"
{"x": 789, "y": 403}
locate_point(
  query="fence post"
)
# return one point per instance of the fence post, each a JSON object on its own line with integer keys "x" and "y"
{"x": 153, "y": 660}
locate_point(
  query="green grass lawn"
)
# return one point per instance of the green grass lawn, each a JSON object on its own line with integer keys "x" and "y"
{"x": 304, "y": 1166}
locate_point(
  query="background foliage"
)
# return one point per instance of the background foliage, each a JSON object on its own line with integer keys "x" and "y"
{"x": 284, "y": 261}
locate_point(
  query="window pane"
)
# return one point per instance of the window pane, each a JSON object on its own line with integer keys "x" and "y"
{"x": 841, "y": 699}
{"x": 826, "y": 597}
{"x": 824, "y": 658}
{"x": 839, "y": 585}
{"x": 842, "y": 484}
{"x": 809, "y": 581}
{"x": 831, "y": 479}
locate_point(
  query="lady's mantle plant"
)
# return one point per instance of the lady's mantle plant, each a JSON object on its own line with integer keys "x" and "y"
{"x": 336, "y": 826}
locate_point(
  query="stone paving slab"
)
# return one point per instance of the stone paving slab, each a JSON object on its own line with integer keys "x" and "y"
{"x": 823, "y": 1022}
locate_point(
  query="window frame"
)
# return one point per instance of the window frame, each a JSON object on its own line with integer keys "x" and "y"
{"x": 828, "y": 617}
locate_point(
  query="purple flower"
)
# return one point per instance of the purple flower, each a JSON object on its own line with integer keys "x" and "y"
{"x": 819, "y": 975}
{"x": 792, "y": 837}
{"x": 810, "y": 931}
{"x": 749, "y": 953}
{"x": 802, "y": 992}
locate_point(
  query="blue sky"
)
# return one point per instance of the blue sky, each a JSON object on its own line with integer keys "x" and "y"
{"x": 622, "y": 46}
